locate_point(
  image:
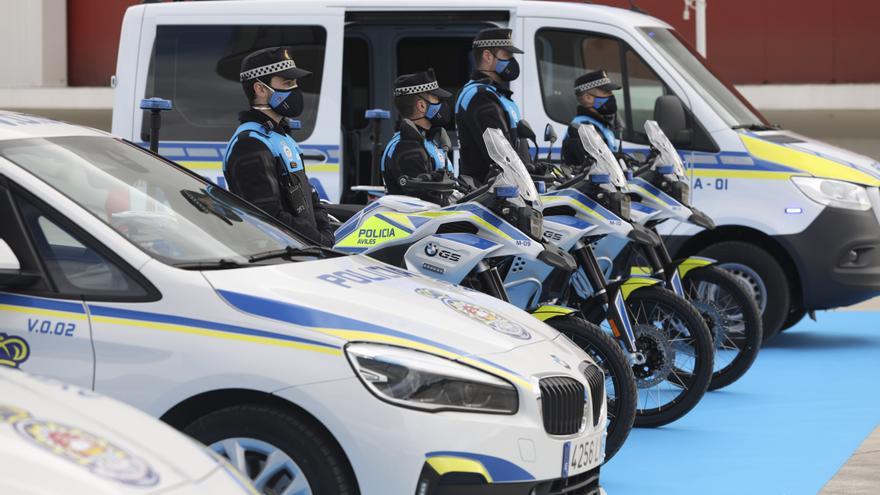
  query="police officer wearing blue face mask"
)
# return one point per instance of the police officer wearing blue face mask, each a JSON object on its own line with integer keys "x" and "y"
{"x": 263, "y": 163}
{"x": 411, "y": 155}
{"x": 597, "y": 106}
{"x": 485, "y": 102}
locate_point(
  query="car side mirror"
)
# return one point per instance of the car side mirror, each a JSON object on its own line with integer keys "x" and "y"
{"x": 11, "y": 274}
{"x": 670, "y": 114}
{"x": 550, "y": 134}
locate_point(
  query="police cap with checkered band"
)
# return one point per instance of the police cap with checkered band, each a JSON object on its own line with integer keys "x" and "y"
{"x": 418, "y": 83}
{"x": 268, "y": 62}
{"x": 594, "y": 80}
{"x": 496, "y": 38}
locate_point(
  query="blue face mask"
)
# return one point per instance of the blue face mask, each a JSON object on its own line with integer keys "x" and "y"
{"x": 438, "y": 113}
{"x": 508, "y": 69}
{"x": 598, "y": 102}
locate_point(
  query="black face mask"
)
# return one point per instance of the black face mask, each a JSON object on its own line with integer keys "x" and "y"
{"x": 609, "y": 107}
{"x": 508, "y": 69}
{"x": 288, "y": 103}
{"x": 438, "y": 114}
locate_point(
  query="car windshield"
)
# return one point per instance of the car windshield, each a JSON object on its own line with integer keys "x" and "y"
{"x": 513, "y": 171}
{"x": 605, "y": 164}
{"x": 172, "y": 215}
{"x": 733, "y": 108}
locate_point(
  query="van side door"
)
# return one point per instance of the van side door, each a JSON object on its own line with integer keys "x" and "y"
{"x": 191, "y": 54}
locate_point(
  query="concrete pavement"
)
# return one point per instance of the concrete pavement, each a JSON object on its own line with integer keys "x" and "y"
{"x": 861, "y": 473}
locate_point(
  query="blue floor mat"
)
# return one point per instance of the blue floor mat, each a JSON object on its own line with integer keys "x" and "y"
{"x": 786, "y": 427}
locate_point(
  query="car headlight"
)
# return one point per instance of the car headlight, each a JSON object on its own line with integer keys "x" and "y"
{"x": 424, "y": 381}
{"x": 835, "y": 193}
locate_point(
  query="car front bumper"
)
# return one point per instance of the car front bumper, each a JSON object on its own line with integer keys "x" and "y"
{"x": 391, "y": 448}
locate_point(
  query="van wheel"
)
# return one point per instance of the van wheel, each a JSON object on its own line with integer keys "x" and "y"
{"x": 763, "y": 276}
{"x": 279, "y": 451}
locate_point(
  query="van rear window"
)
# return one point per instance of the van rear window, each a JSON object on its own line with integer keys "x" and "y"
{"x": 197, "y": 68}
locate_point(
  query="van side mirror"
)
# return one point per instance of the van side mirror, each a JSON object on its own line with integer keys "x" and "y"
{"x": 670, "y": 114}
{"x": 11, "y": 274}
{"x": 550, "y": 134}
{"x": 443, "y": 140}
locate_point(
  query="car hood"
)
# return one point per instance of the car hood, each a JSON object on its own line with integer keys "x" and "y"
{"x": 809, "y": 156}
{"x": 356, "y": 298}
{"x": 57, "y": 438}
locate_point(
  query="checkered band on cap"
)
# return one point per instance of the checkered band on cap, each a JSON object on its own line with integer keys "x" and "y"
{"x": 493, "y": 43}
{"x": 266, "y": 70}
{"x": 414, "y": 90}
{"x": 592, "y": 84}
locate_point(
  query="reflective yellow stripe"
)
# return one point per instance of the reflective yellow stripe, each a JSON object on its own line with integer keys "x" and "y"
{"x": 689, "y": 264}
{"x": 806, "y": 162}
{"x": 577, "y": 205}
{"x": 446, "y": 464}
{"x": 169, "y": 327}
{"x": 373, "y": 225}
{"x": 717, "y": 173}
{"x": 43, "y": 312}
{"x": 635, "y": 283}
{"x": 640, "y": 270}
{"x": 544, "y": 313}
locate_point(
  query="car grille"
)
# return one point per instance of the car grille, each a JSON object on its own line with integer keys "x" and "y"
{"x": 562, "y": 404}
{"x": 596, "y": 379}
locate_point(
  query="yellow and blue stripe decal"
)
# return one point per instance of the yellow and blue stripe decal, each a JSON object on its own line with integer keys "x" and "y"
{"x": 352, "y": 223}
{"x": 569, "y": 221}
{"x": 491, "y": 220}
{"x": 653, "y": 192}
{"x": 354, "y": 330}
{"x": 471, "y": 240}
{"x": 642, "y": 207}
{"x": 494, "y": 469}
{"x": 586, "y": 203}
{"x": 42, "y": 306}
{"x": 184, "y": 325}
{"x": 155, "y": 321}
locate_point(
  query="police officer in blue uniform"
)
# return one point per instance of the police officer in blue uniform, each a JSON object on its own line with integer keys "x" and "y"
{"x": 597, "y": 106}
{"x": 263, "y": 163}
{"x": 485, "y": 102}
{"x": 412, "y": 155}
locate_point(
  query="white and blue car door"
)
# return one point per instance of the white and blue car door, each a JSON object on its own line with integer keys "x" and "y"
{"x": 44, "y": 326}
{"x": 195, "y": 57}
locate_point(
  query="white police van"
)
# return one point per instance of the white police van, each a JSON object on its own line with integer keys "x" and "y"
{"x": 798, "y": 219}
{"x": 59, "y": 438}
{"x": 313, "y": 372}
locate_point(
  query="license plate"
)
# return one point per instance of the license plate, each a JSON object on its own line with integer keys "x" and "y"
{"x": 582, "y": 455}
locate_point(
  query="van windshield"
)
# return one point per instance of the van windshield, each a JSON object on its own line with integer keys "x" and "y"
{"x": 731, "y": 106}
{"x": 172, "y": 215}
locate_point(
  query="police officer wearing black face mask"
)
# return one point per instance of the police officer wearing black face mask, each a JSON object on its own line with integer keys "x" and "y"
{"x": 597, "y": 106}
{"x": 411, "y": 155}
{"x": 485, "y": 102}
{"x": 263, "y": 163}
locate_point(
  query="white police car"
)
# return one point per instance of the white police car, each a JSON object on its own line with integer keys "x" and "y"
{"x": 312, "y": 373}
{"x": 58, "y": 438}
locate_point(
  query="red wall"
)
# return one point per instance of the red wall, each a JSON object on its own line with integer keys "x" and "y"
{"x": 783, "y": 41}
{"x": 92, "y": 40}
{"x": 750, "y": 41}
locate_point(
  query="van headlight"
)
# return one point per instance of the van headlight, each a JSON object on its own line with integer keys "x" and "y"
{"x": 424, "y": 381}
{"x": 834, "y": 193}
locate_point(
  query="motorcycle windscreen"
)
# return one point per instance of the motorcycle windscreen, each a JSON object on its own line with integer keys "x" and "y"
{"x": 513, "y": 171}
{"x": 605, "y": 164}
{"x": 668, "y": 155}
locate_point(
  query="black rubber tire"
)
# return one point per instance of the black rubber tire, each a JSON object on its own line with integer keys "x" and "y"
{"x": 794, "y": 317}
{"x": 736, "y": 298}
{"x": 609, "y": 356}
{"x": 320, "y": 458}
{"x": 698, "y": 381}
{"x": 771, "y": 273}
